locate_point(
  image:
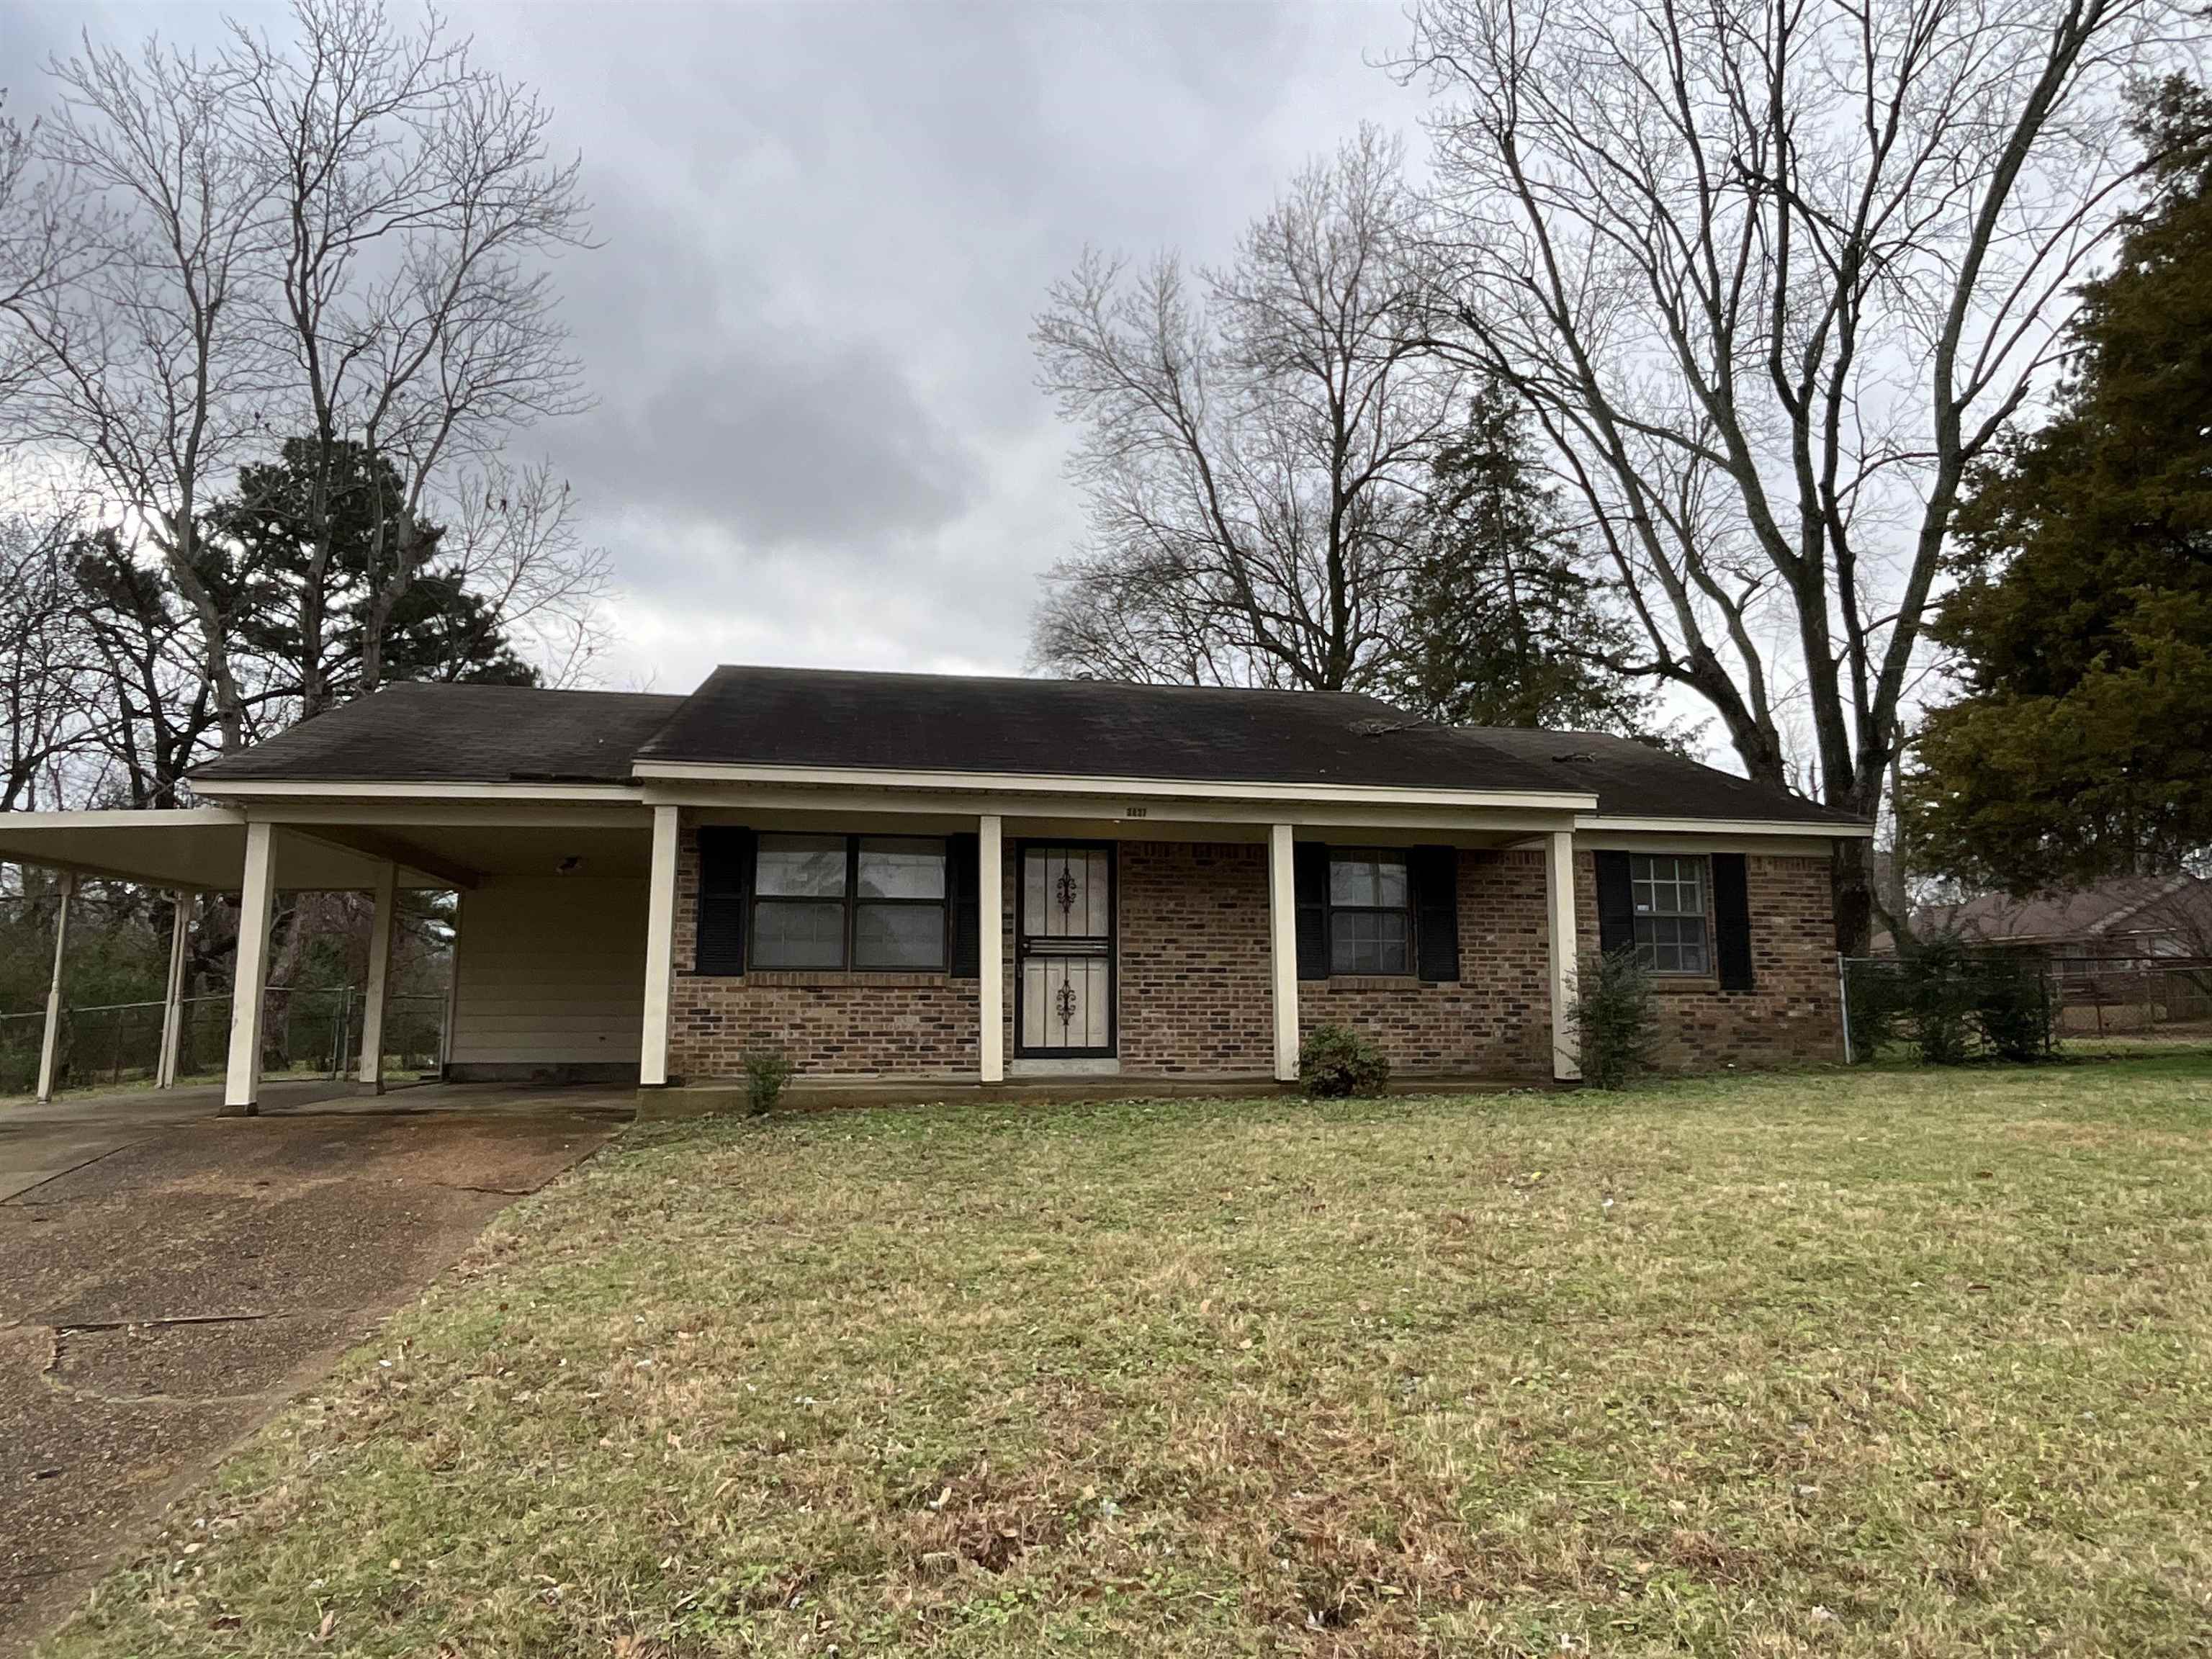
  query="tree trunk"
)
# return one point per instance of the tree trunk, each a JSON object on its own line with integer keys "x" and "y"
{"x": 1851, "y": 876}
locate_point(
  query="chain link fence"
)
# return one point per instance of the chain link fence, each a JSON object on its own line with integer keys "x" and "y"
{"x": 2020, "y": 1006}
{"x": 304, "y": 1033}
{"x": 1948, "y": 1007}
{"x": 2167, "y": 997}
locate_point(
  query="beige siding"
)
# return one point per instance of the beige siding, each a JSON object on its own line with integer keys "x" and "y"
{"x": 552, "y": 973}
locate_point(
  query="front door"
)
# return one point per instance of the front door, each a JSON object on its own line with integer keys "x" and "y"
{"x": 1064, "y": 952}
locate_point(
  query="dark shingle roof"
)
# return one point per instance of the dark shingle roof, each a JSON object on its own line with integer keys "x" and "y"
{"x": 423, "y": 732}
{"x": 1078, "y": 728}
{"x": 1634, "y": 780}
{"x": 986, "y": 725}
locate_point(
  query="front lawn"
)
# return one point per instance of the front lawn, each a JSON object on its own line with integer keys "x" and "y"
{"x": 1900, "y": 1362}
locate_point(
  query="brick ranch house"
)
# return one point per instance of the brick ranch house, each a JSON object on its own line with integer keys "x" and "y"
{"x": 916, "y": 881}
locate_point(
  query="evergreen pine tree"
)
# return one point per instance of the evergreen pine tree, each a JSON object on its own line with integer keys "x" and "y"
{"x": 2083, "y": 745}
{"x": 1502, "y": 626}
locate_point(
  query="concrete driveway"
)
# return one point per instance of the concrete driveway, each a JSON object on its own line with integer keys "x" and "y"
{"x": 168, "y": 1279}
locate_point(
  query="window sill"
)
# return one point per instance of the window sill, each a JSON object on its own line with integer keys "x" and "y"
{"x": 1684, "y": 984}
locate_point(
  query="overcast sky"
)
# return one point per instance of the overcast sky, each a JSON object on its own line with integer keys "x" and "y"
{"x": 824, "y": 229}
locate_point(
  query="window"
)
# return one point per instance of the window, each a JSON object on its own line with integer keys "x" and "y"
{"x": 899, "y": 920}
{"x": 1371, "y": 923}
{"x": 870, "y": 901}
{"x": 1670, "y": 914}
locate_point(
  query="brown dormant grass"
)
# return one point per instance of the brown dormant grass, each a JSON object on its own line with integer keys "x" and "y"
{"x": 1894, "y": 1363}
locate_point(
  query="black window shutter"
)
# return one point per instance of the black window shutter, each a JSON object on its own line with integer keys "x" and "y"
{"x": 1732, "y": 920}
{"x": 726, "y": 873}
{"x": 1616, "y": 902}
{"x": 962, "y": 889}
{"x": 1309, "y": 886}
{"x": 1433, "y": 874}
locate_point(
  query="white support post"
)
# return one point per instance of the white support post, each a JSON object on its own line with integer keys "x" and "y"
{"x": 1283, "y": 946}
{"x": 1559, "y": 884}
{"x": 172, "y": 998}
{"x": 371, "y": 1076}
{"x": 659, "y": 948}
{"x": 447, "y": 1025}
{"x": 50, "y": 1044}
{"x": 249, "y": 981}
{"x": 991, "y": 947}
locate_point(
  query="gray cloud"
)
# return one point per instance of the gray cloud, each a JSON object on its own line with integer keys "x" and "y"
{"x": 824, "y": 229}
{"x": 782, "y": 445}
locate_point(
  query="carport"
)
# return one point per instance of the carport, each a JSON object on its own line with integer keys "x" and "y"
{"x": 516, "y": 799}
{"x": 544, "y": 866}
{"x": 212, "y": 849}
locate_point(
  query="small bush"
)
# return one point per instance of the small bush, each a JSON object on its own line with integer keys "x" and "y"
{"x": 1939, "y": 1000}
{"x": 1616, "y": 1019}
{"x": 2013, "y": 1011}
{"x": 1336, "y": 1061}
{"x": 768, "y": 1068}
{"x": 1951, "y": 1003}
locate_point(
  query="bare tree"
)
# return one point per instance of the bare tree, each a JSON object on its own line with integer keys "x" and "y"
{"x": 157, "y": 713}
{"x": 513, "y": 543}
{"x": 341, "y": 239}
{"x": 1255, "y": 460}
{"x": 42, "y": 241}
{"x": 146, "y": 369}
{"x": 414, "y": 198}
{"x": 1773, "y": 276}
{"x": 46, "y": 701}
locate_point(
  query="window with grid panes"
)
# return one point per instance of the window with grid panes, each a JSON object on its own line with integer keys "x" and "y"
{"x": 1670, "y": 914}
{"x": 1370, "y": 918}
{"x": 867, "y": 902}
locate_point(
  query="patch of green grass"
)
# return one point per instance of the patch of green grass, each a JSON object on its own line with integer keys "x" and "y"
{"x": 1839, "y": 1364}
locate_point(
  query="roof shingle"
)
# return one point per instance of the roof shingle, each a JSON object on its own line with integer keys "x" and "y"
{"x": 1002, "y": 726}
{"x": 991, "y": 726}
{"x": 420, "y": 731}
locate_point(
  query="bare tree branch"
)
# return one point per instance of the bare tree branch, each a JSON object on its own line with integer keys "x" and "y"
{"x": 1255, "y": 461}
{"x": 1774, "y": 275}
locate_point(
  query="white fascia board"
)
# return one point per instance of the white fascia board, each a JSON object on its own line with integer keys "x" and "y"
{"x": 1018, "y": 784}
{"x": 126, "y": 817}
{"x": 248, "y": 789}
{"x": 439, "y": 813}
{"x": 764, "y": 807}
{"x": 1592, "y": 824}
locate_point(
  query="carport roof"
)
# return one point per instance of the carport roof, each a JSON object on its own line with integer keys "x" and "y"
{"x": 434, "y": 733}
{"x": 202, "y": 847}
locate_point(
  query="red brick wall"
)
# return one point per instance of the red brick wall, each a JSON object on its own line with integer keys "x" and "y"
{"x": 1194, "y": 973}
{"x": 837, "y": 1025}
{"x": 1792, "y": 1014}
{"x": 1496, "y": 1021}
{"x": 1195, "y": 959}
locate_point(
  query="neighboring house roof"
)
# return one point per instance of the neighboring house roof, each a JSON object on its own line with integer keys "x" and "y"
{"x": 2124, "y": 906}
{"x": 421, "y": 731}
{"x": 833, "y": 720}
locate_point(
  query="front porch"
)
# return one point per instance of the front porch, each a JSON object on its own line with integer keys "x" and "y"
{"x": 581, "y": 912}
{"x": 1160, "y": 947}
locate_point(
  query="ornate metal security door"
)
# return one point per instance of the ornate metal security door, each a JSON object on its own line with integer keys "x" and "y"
{"x": 1063, "y": 952}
